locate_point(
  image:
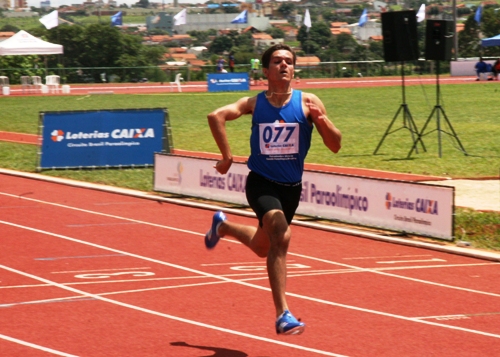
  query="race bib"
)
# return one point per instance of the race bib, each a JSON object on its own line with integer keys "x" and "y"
{"x": 279, "y": 138}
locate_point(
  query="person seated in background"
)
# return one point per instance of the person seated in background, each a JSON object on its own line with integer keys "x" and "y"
{"x": 495, "y": 68}
{"x": 489, "y": 71}
{"x": 482, "y": 67}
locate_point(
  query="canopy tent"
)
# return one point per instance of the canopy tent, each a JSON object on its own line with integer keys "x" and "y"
{"x": 492, "y": 41}
{"x": 22, "y": 43}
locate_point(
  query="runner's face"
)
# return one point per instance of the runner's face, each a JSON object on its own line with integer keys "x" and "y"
{"x": 280, "y": 66}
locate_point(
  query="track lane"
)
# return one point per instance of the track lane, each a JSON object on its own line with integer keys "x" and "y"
{"x": 101, "y": 225}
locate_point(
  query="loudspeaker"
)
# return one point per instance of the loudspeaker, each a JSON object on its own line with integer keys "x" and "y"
{"x": 439, "y": 40}
{"x": 399, "y": 31}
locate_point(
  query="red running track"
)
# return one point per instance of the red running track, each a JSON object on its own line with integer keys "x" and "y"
{"x": 308, "y": 83}
{"x": 92, "y": 273}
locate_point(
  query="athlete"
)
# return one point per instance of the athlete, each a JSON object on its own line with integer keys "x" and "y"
{"x": 282, "y": 124}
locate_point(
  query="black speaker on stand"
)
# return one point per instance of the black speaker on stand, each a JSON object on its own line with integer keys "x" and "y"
{"x": 399, "y": 31}
{"x": 438, "y": 47}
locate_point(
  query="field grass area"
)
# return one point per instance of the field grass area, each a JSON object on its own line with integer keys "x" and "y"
{"x": 29, "y": 23}
{"x": 362, "y": 114}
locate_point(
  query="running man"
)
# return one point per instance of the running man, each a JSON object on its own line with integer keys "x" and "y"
{"x": 282, "y": 124}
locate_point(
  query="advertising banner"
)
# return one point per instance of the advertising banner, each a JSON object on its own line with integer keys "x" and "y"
{"x": 227, "y": 82}
{"x": 103, "y": 138}
{"x": 394, "y": 205}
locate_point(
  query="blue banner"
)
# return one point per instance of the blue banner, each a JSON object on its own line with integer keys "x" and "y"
{"x": 227, "y": 82}
{"x": 104, "y": 138}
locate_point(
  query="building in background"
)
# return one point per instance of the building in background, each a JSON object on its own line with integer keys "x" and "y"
{"x": 20, "y": 4}
{"x": 45, "y": 4}
{"x": 161, "y": 21}
{"x": 204, "y": 22}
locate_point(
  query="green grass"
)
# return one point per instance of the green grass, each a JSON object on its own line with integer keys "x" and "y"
{"x": 362, "y": 114}
{"x": 29, "y": 23}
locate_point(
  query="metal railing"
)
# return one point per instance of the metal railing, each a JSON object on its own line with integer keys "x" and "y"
{"x": 164, "y": 73}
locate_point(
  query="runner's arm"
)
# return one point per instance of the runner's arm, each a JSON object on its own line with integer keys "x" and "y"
{"x": 331, "y": 136}
{"x": 217, "y": 122}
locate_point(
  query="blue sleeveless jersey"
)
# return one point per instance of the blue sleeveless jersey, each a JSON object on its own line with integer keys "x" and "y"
{"x": 280, "y": 139}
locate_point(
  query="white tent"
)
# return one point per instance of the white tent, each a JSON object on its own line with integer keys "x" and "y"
{"x": 22, "y": 43}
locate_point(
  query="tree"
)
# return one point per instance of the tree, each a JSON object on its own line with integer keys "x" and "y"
{"x": 142, "y": 3}
{"x": 286, "y": 9}
{"x": 243, "y": 42}
{"x": 357, "y": 10}
{"x": 275, "y": 32}
{"x": 9, "y": 28}
{"x": 468, "y": 38}
{"x": 319, "y": 33}
{"x": 328, "y": 15}
{"x": 221, "y": 44}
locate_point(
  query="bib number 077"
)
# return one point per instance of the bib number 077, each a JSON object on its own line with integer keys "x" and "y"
{"x": 279, "y": 138}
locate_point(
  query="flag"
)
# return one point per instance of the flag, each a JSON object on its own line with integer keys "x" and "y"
{"x": 241, "y": 18}
{"x": 307, "y": 20}
{"x": 50, "y": 20}
{"x": 180, "y": 18}
{"x": 363, "y": 19}
{"x": 478, "y": 14}
{"x": 117, "y": 19}
{"x": 421, "y": 13}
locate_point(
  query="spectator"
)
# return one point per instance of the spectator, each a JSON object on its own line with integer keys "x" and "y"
{"x": 231, "y": 62}
{"x": 220, "y": 65}
{"x": 496, "y": 69}
{"x": 481, "y": 67}
{"x": 254, "y": 71}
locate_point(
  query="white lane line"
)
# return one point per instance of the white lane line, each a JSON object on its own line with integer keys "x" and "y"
{"x": 379, "y": 271}
{"x": 237, "y": 263}
{"x": 81, "y": 257}
{"x": 389, "y": 256}
{"x": 83, "y": 225}
{"x": 172, "y": 317}
{"x": 459, "y": 316}
{"x": 259, "y": 275}
{"x": 94, "y": 270}
{"x": 236, "y": 242}
{"x": 411, "y": 261}
{"x": 304, "y": 297}
{"x": 381, "y": 81}
{"x": 38, "y": 347}
{"x": 101, "y": 214}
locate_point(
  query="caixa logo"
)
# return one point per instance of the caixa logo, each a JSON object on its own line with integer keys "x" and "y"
{"x": 57, "y": 135}
{"x": 135, "y": 133}
{"x": 421, "y": 205}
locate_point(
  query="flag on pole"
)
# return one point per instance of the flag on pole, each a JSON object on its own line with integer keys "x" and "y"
{"x": 363, "y": 19}
{"x": 50, "y": 20}
{"x": 117, "y": 19}
{"x": 478, "y": 14}
{"x": 421, "y": 13}
{"x": 307, "y": 20}
{"x": 180, "y": 18}
{"x": 241, "y": 18}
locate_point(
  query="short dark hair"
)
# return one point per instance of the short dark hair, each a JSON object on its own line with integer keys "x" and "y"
{"x": 266, "y": 57}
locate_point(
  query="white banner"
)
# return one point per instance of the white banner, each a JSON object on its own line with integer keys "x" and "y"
{"x": 395, "y": 205}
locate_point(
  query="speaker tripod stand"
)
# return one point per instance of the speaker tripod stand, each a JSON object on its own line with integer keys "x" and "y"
{"x": 408, "y": 122}
{"x": 438, "y": 110}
